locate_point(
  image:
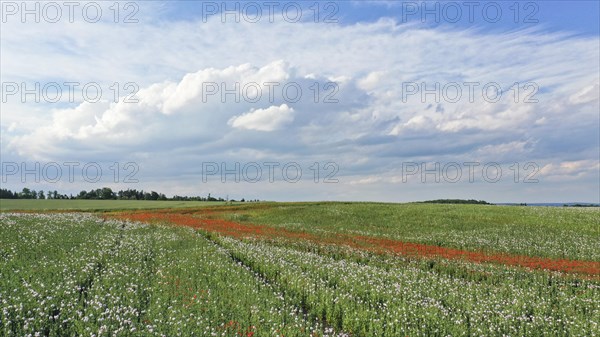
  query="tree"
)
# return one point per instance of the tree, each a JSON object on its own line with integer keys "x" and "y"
{"x": 107, "y": 193}
{"x": 25, "y": 193}
{"x": 7, "y": 194}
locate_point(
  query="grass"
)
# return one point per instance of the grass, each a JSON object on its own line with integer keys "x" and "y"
{"x": 295, "y": 269}
{"x": 538, "y": 231}
{"x": 67, "y": 274}
{"x": 95, "y": 205}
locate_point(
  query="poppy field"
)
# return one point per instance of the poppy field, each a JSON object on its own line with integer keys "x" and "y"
{"x": 302, "y": 269}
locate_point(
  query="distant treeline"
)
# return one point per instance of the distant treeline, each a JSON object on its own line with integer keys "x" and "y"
{"x": 457, "y": 201}
{"x": 581, "y": 205}
{"x": 105, "y": 193}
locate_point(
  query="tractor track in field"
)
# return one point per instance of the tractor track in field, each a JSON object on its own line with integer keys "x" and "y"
{"x": 208, "y": 220}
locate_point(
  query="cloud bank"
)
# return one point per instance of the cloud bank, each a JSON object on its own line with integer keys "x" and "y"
{"x": 197, "y": 102}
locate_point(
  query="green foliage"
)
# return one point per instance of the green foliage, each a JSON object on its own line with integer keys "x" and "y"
{"x": 105, "y": 193}
{"x": 555, "y": 232}
{"x": 73, "y": 274}
{"x": 380, "y": 295}
{"x": 96, "y": 205}
{"x": 457, "y": 201}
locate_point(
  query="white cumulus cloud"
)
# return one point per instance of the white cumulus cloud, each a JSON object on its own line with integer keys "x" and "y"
{"x": 269, "y": 119}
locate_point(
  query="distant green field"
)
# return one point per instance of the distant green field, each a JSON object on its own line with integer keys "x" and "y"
{"x": 558, "y": 232}
{"x": 93, "y": 205}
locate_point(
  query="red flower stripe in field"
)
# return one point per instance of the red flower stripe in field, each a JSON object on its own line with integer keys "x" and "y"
{"x": 415, "y": 249}
{"x": 203, "y": 220}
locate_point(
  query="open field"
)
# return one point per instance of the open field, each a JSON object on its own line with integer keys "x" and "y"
{"x": 94, "y": 205}
{"x": 302, "y": 269}
{"x": 538, "y": 231}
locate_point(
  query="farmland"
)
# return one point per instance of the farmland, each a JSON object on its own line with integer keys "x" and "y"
{"x": 93, "y": 205}
{"x": 301, "y": 269}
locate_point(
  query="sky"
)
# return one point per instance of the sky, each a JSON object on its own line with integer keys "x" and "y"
{"x": 356, "y": 101}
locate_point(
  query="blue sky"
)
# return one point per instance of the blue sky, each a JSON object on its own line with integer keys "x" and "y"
{"x": 579, "y": 17}
{"x": 391, "y": 109}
